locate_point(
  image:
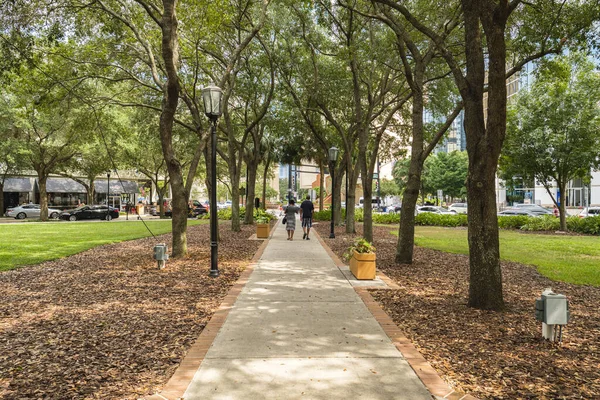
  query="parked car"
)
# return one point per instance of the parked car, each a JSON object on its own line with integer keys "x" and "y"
{"x": 515, "y": 212}
{"x": 459, "y": 208}
{"x": 374, "y": 202}
{"x": 590, "y": 212}
{"x": 91, "y": 212}
{"x": 533, "y": 208}
{"x": 30, "y": 211}
{"x": 433, "y": 209}
{"x": 394, "y": 208}
{"x": 205, "y": 205}
{"x": 195, "y": 212}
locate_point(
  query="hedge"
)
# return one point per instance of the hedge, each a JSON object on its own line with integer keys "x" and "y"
{"x": 225, "y": 214}
{"x": 588, "y": 226}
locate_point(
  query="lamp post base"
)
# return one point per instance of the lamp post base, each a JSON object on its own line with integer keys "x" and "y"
{"x": 332, "y": 235}
{"x": 214, "y": 273}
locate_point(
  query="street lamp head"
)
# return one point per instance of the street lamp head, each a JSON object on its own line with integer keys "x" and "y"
{"x": 108, "y": 174}
{"x": 211, "y": 96}
{"x": 333, "y": 154}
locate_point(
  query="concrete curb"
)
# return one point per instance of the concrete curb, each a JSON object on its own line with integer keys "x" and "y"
{"x": 426, "y": 373}
{"x": 179, "y": 382}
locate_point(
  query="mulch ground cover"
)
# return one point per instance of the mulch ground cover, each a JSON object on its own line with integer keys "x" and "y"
{"x": 491, "y": 355}
{"x": 106, "y": 323}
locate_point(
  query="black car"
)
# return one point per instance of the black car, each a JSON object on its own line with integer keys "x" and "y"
{"x": 90, "y": 212}
{"x": 195, "y": 212}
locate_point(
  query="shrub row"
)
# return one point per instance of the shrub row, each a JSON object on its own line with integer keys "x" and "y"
{"x": 225, "y": 214}
{"x": 588, "y": 226}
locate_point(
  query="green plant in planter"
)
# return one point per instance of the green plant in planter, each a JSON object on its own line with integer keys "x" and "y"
{"x": 261, "y": 219}
{"x": 360, "y": 245}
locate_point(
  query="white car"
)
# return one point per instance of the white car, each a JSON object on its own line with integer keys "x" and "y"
{"x": 433, "y": 209}
{"x": 590, "y": 212}
{"x": 459, "y": 208}
{"x": 515, "y": 212}
{"x": 30, "y": 211}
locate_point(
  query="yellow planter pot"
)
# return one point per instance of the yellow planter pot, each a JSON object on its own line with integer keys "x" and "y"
{"x": 362, "y": 265}
{"x": 262, "y": 231}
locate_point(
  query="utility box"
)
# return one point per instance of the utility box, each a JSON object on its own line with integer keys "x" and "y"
{"x": 161, "y": 254}
{"x": 552, "y": 309}
{"x": 556, "y": 309}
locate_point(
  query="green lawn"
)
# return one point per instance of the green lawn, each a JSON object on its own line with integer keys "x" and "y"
{"x": 24, "y": 244}
{"x": 574, "y": 259}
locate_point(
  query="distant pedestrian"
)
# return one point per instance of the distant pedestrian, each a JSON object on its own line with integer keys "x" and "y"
{"x": 306, "y": 212}
{"x": 555, "y": 211}
{"x": 290, "y": 214}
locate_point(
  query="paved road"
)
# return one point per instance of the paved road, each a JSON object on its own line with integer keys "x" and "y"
{"x": 299, "y": 330}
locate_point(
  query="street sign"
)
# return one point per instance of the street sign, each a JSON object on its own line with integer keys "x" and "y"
{"x": 375, "y": 175}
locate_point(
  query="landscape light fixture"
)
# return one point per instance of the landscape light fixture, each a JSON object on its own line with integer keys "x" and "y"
{"x": 211, "y": 96}
{"x": 333, "y": 155}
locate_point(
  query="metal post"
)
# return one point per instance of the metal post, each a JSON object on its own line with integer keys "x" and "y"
{"x": 289, "y": 182}
{"x": 214, "y": 244}
{"x": 332, "y": 234}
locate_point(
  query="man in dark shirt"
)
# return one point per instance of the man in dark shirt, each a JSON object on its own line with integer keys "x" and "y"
{"x": 306, "y": 212}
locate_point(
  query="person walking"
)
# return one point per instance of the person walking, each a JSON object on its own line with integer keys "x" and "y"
{"x": 290, "y": 215}
{"x": 306, "y": 213}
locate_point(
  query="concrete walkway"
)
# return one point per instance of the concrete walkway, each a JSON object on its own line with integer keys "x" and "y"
{"x": 299, "y": 330}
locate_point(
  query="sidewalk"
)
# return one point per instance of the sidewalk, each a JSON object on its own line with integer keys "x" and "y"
{"x": 299, "y": 330}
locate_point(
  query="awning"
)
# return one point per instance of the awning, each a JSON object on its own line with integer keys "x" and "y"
{"x": 64, "y": 185}
{"x": 116, "y": 186}
{"x": 17, "y": 185}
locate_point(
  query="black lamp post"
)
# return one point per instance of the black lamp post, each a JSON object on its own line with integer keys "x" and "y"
{"x": 211, "y": 95}
{"x": 333, "y": 155}
{"x": 107, "y": 189}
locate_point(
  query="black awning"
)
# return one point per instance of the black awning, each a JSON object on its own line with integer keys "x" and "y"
{"x": 17, "y": 185}
{"x": 116, "y": 186}
{"x": 64, "y": 185}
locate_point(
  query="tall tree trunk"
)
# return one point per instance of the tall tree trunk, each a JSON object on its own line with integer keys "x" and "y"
{"x": 251, "y": 193}
{"x": 91, "y": 192}
{"x": 406, "y": 231}
{"x": 264, "y": 186}
{"x": 170, "y": 54}
{"x": 161, "y": 202}
{"x": 42, "y": 179}
{"x": 2, "y": 198}
{"x": 563, "y": 207}
{"x": 351, "y": 200}
{"x": 484, "y": 142}
{"x": 235, "y": 203}
{"x": 337, "y": 197}
{"x": 367, "y": 182}
{"x": 322, "y": 186}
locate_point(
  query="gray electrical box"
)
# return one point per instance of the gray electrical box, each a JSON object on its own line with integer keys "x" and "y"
{"x": 161, "y": 252}
{"x": 552, "y": 309}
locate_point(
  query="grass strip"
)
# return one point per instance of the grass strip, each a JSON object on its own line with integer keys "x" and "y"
{"x": 33, "y": 243}
{"x": 572, "y": 259}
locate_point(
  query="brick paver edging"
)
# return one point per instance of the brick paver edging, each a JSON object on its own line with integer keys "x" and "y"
{"x": 426, "y": 373}
{"x": 177, "y": 385}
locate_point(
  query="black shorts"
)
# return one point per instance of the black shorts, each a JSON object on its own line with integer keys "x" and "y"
{"x": 307, "y": 222}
